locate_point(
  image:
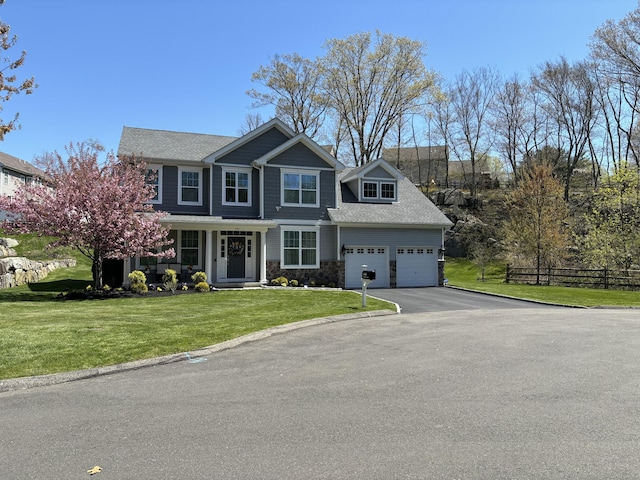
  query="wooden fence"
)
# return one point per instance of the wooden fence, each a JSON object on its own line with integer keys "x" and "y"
{"x": 576, "y": 277}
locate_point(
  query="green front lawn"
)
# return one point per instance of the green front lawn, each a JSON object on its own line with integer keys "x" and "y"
{"x": 40, "y": 335}
{"x": 462, "y": 273}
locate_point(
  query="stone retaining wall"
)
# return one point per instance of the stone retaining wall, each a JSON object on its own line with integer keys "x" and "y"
{"x": 16, "y": 271}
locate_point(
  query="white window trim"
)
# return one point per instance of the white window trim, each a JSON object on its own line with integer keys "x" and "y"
{"x": 299, "y": 229}
{"x": 316, "y": 173}
{"x": 200, "y": 180}
{"x": 226, "y": 170}
{"x": 379, "y": 190}
{"x": 158, "y": 169}
{"x": 179, "y": 252}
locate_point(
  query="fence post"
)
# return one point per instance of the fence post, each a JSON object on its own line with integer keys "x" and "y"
{"x": 606, "y": 279}
{"x": 548, "y": 275}
{"x": 507, "y": 279}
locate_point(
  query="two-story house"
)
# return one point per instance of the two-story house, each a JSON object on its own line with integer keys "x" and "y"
{"x": 14, "y": 173}
{"x": 274, "y": 203}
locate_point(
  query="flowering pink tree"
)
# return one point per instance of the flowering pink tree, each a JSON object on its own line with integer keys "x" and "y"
{"x": 100, "y": 208}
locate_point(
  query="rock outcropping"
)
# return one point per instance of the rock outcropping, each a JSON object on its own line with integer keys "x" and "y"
{"x": 16, "y": 271}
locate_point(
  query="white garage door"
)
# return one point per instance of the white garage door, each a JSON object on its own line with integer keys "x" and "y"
{"x": 416, "y": 267}
{"x": 376, "y": 258}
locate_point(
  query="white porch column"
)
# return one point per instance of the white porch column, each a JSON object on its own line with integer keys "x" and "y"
{"x": 210, "y": 254}
{"x": 263, "y": 257}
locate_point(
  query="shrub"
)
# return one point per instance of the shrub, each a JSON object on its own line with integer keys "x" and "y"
{"x": 170, "y": 280}
{"x": 282, "y": 281}
{"x": 138, "y": 282}
{"x": 293, "y": 283}
{"x": 139, "y": 288}
{"x": 199, "y": 277}
{"x": 202, "y": 287}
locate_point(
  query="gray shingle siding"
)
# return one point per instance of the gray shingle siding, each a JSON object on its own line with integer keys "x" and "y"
{"x": 297, "y": 156}
{"x": 254, "y": 149}
{"x": 379, "y": 172}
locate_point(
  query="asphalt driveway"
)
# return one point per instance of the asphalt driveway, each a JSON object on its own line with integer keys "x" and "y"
{"x": 466, "y": 394}
{"x": 444, "y": 299}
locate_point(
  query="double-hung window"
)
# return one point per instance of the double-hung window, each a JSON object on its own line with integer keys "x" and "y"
{"x": 190, "y": 186}
{"x": 153, "y": 178}
{"x": 236, "y": 188}
{"x": 300, "y": 247}
{"x": 300, "y": 188}
{"x": 190, "y": 247}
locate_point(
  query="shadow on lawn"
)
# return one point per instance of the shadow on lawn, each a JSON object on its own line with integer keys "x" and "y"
{"x": 42, "y": 291}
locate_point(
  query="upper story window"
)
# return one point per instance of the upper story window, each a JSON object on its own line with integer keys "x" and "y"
{"x": 378, "y": 190}
{"x": 300, "y": 188}
{"x": 236, "y": 188}
{"x": 190, "y": 186}
{"x": 153, "y": 177}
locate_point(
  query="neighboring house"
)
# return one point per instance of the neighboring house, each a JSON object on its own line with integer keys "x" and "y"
{"x": 14, "y": 173}
{"x": 274, "y": 203}
{"x": 422, "y": 165}
{"x": 432, "y": 166}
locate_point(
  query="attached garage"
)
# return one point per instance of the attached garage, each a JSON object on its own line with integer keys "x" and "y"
{"x": 416, "y": 267}
{"x": 376, "y": 258}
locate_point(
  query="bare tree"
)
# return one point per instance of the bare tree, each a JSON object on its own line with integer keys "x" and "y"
{"x": 9, "y": 84}
{"x": 371, "y": 83}
{"x": 251, "y": 122}
{"x": 471, "y": 97}
{"x": 569, "y": 94}
{"x": 293, "y": 87}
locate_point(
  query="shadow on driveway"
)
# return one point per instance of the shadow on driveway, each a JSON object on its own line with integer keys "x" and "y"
{"x": 445, "y": 299}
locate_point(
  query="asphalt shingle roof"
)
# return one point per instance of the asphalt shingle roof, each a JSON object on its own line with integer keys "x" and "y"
{"x": 20, "y": 166}
{"x": 170, "y": 145}
{"x": 412, "y": 208}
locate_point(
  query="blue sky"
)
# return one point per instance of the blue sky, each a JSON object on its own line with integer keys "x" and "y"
{"x": 186, "y": 65}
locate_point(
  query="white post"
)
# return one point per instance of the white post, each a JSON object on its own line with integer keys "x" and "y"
{"x": 365, "y": 282}
{"x": 209, "y": 255}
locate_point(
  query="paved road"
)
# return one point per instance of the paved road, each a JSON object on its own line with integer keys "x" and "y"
{"x": 417, "y": 300}
{"x": 467, "y": 394}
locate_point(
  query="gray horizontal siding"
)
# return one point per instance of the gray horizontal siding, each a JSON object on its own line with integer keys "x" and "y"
{"x": 391, "y": 237}
{"x": 233, "y": 211}
{"x": 272, "y": 198}
{"x": 170, "y": 185}
{"x": 328, "y": 243}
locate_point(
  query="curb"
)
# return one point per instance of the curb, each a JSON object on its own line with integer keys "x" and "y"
{"x": 23, "y": 383}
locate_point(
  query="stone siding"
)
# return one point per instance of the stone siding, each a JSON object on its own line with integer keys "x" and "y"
{"x": 328, "y": 273}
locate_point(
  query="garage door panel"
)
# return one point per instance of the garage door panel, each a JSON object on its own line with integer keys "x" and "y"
{"x": 376, "y": 258}
{"x": 416, "y": 267}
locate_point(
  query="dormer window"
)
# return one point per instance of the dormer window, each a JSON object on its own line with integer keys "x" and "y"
{"x": 378, "y": 190}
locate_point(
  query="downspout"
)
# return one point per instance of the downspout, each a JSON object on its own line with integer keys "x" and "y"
{"x": 261, "y": 193}
{"x": 211, "y": 191}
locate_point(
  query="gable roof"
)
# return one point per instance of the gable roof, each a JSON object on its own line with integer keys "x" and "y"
{"x": 362, "y": 170}
{"x": 301, "y": 138}
{"x": 170, "y": 145}
{"x": 238, "y": 142}
{"x": 413, "y": 209}
{"x": 18, "y": 165}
